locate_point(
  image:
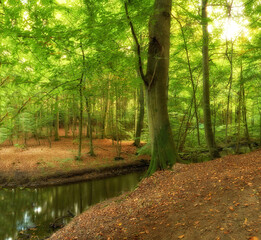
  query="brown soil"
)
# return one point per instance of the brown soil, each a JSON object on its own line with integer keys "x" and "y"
{"x": 215, "y": 200}
{"x": 40, "y": 165}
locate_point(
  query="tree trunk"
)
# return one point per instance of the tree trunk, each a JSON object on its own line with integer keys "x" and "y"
{"x": 164, "y": 153}
{"x": 230, "y": 59}
{"x": 117, "y": 125}
{"x": 74, "y": 119}
{"x": 244, "y": 111}
{"x": 66, "y": 120}
{"x": 183, "y": 137}
{"x": 56, "y": 123}
{"x": 206, "y": 103}
{"x": 139, "y": 124}
{"x": 163, "y": 150}
{"x": 80, "y": 120}
{"x": 89, "y": 125}
{"x": 239, "y": 117}
{"x": 105, "y": 112}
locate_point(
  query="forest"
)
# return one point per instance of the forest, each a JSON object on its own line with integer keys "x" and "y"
{"x": 175, "y": 81}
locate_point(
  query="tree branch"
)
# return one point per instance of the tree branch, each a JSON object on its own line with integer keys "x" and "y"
{"x": 3, "y": 81}
{"x": 137, "y": 45}
{"x": 2, "y": 119}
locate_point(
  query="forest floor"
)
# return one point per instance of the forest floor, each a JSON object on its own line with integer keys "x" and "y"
{"x": 215, "y": 200}
{"x": 39, "y": 165}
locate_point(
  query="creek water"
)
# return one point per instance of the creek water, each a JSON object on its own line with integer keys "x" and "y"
{"x": 29, "y": 212}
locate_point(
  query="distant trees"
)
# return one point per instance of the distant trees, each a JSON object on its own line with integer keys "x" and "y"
{"x": 46, "y": 85}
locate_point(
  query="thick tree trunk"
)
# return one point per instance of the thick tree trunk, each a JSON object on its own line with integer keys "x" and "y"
{"x": 139, "y": 124}
{"x": 163, "y": 149}
{"x": 164, "y": 153}
{"x": 206, "y": 103}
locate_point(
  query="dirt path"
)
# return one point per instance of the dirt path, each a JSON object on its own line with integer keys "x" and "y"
{"x": 40, "y": 165}
{"x": 217, "y": 200}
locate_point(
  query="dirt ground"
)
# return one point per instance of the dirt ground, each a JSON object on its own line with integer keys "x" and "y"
{"x": 40, "y": 165}
{"x": 215, "y": 200}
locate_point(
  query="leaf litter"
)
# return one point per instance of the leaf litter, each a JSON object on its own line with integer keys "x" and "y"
{"x": 219, "y": 199}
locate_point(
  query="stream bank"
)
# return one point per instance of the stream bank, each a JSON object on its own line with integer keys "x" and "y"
{"x": 40, "y": 165}
{"x": 23, "y": 179}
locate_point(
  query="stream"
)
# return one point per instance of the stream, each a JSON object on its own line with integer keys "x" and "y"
{"x": 29, "y": 212}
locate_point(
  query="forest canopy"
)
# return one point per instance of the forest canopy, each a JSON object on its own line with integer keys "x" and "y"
{"x": 75, "y": 65}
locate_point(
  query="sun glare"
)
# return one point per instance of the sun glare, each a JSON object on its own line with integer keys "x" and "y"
{"x": 232, "y": 27}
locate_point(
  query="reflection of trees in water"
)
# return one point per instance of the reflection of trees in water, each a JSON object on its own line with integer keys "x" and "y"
{"x": 23, "y": 208}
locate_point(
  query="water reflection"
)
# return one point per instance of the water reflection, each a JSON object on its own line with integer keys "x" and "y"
{"x": 21, "y": 209}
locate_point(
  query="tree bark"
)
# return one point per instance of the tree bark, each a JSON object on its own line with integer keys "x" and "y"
{"x": 163, "y": 150}
{"x": 164, "y": 153}
{"x": 206, "y": 102}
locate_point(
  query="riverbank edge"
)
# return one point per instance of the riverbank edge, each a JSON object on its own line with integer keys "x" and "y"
{"x": 23, "y": 179}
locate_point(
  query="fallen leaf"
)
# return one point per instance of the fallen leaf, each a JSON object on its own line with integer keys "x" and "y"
{"x": 181, "y": 236}
{"x": 231, "y": 208}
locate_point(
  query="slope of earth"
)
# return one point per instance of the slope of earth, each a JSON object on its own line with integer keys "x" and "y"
{"x": 217, "y": 200}
{"x": 40, "y": 165}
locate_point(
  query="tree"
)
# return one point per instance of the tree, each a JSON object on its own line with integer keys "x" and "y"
{"x": 139, "y": 124}
{"x": 206, "y": 102}
{"x": 163, "y": 149}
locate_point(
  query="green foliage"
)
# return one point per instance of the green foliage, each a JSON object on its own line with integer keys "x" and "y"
{"x": 145, "y": 150}
{"x": 47, "y": 47}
